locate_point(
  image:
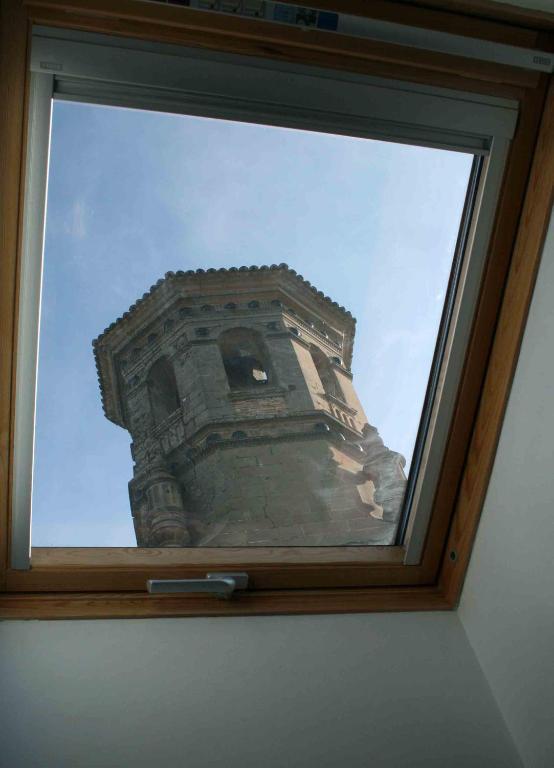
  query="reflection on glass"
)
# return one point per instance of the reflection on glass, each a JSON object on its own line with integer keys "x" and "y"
{"x": 254, "y": 404}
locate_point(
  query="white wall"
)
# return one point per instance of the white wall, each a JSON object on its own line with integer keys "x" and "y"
{"x": 507, "y": 606}
{"x": 390, "y": 691}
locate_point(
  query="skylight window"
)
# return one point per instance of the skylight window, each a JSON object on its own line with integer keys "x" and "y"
{"x": 304, "y": 258}
{"x": 258, "y": 318}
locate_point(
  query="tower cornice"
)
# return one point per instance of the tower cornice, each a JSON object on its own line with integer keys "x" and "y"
{"x": 193, "y": 291}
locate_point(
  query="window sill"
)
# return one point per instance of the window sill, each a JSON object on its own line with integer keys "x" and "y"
{"x": 126, "y": 605}
{"x": 80, "y": 583}
{"x": 89, "y": 569}
{"x": 255, "y": 392}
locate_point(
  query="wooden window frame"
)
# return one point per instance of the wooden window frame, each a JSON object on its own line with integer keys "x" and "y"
{"x": 91, "y": 582}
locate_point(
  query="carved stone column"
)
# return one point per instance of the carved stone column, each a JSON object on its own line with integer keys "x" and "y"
{"x": 156, "y": 501}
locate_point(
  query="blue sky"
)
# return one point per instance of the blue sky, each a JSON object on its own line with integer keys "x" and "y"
{"x": 134, "y": 194}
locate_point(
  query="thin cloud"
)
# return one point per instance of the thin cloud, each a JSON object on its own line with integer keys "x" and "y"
{"x": 76, "y": 225}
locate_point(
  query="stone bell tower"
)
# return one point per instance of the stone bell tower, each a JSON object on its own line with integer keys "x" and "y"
{"x": 235, "y": 386}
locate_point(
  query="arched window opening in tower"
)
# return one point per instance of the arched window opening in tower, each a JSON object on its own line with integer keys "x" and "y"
{"x": 244, "y": 358}
{"x": 326, "y": 374}
{"x": 162, "y": 390}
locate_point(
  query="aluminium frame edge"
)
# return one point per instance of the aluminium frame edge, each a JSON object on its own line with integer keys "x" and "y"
{"x": 28, "y": 324}
{"x": 449, "y": 374}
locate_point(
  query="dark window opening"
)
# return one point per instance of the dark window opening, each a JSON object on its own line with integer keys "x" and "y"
{"x": 162, "y": 390}
{"x": 326, "y": 374}
{"x": 244, "y": 358}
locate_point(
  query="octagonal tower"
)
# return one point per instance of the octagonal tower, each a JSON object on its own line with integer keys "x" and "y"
{"x": 246, "y": 429}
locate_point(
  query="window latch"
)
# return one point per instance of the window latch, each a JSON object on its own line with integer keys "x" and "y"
{"x": 222, "y": 585}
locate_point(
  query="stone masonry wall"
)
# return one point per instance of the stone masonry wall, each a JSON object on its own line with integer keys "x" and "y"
{"x": 283, "y": 459}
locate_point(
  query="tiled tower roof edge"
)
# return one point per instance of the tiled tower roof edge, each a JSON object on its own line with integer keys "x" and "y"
{"x": 224, "y": 270}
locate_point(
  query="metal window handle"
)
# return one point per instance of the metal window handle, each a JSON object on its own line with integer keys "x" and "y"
{"x": 222, "y": 585}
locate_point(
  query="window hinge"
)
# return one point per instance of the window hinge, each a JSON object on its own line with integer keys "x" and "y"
{"x": 222, "y": 585}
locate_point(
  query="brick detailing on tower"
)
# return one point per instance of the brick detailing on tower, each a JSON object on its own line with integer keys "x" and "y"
{"x": 235, "y": 386}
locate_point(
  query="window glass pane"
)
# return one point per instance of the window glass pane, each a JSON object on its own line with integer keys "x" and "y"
{"x": 260, "y": 413}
